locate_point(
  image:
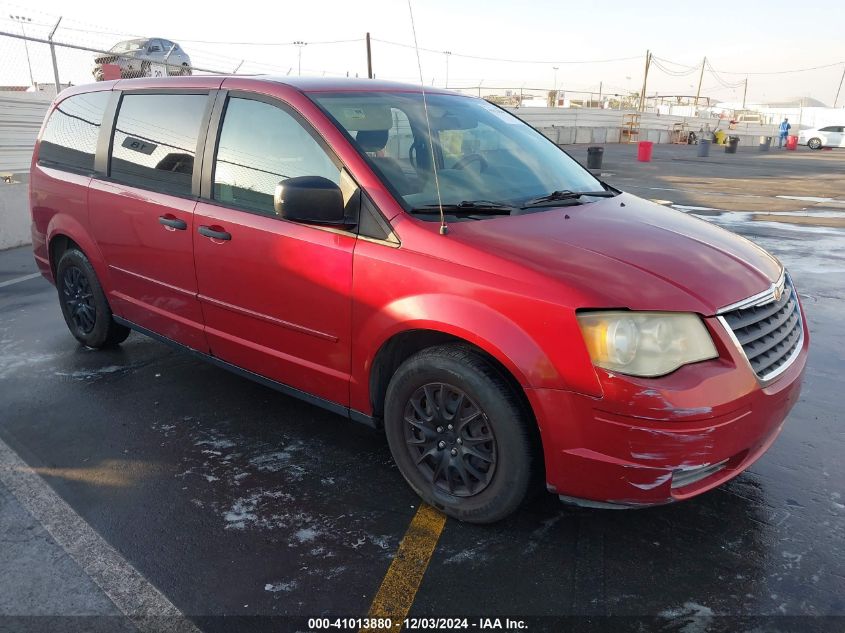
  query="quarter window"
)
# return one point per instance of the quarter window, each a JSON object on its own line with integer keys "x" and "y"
{"x": 260, "y": 146}
{"x": 155, "y": 141}
{"x": 70, "y": 138}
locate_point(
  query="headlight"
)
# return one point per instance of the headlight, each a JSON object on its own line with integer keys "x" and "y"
{"x": 645, "y": 343}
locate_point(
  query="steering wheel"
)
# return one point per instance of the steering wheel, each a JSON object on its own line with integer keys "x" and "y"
{"x": 467, "y": 160}
{"x": 413, "y": 150}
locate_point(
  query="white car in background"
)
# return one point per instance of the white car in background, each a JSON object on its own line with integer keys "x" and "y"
{"x": 827, "y": 136}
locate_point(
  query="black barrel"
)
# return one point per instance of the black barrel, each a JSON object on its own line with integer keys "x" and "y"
{"x": 594, "y": 157}
{"x": 731, "y": 145}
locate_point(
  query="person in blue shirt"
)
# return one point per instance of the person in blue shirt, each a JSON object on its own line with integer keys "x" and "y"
{"x": 784, "y": 132}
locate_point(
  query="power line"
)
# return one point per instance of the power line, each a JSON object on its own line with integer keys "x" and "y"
{"x": 310, "y": 43}
{"x": 724, "y": 83}
{"x": 512, "y": 61}
{"x": 669, "y": 61}
{"x": 771, "y": 72}
{"x": 782, "y": 72}
{"x": 674, "y": 73}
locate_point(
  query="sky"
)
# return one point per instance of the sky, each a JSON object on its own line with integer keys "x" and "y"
{"x": 737, "y": 38}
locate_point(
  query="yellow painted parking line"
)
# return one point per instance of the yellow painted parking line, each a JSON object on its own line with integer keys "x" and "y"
{"x": 403, "y": 578}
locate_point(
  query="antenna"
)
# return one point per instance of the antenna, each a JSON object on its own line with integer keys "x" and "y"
{"x": 444, "y": 229}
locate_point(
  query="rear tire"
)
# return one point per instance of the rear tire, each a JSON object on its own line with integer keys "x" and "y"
{"x": 84, "y": 305}
{"x": 814, "y": 143}
{"x": 459, "y": 434}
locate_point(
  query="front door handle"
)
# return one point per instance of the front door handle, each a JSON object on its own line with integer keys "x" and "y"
{"x": 172, "y": 222}
{"x": 214, "y": 234}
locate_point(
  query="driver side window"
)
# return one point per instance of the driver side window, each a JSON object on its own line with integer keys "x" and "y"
{"x": 261, "y": 145}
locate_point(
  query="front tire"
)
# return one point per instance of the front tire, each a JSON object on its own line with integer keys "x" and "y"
{"x": 84, "y": 305}
{"x": 814, "y": 143}
{"x": 459, "y": 434}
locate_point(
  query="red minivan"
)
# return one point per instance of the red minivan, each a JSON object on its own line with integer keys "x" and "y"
{"x": 544, "y": 325}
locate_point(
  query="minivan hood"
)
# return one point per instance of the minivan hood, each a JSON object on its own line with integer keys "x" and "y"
{"x": 626, "y": 252}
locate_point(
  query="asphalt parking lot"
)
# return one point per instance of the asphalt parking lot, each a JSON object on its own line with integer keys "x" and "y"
{"x": 233, "y": 500}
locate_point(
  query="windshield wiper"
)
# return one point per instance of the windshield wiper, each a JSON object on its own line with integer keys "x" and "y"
{"x": 558, "y": 196}
{"x": 468, "y": 207}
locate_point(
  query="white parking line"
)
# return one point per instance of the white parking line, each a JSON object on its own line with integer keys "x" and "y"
{"x": 18, "y": 280}
{"x": 131, "y": 593}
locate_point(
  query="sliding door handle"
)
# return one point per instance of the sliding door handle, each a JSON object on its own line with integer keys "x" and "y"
{"x": 215, "y": 233}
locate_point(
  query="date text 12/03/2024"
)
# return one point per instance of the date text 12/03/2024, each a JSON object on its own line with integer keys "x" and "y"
{"x": 415, "y": 624}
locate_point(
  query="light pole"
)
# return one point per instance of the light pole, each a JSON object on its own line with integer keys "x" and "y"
{"x": 554, "y": 91}
{"x": 22, "y": 19}
{"x": 447, "y": 54}
{"x": 300, "y": 44}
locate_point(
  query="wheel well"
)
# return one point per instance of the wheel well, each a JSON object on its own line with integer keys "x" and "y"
{"x": 58, "y": 245}
{"x": 402, "y": 346}
{"x": 405, "y": 344}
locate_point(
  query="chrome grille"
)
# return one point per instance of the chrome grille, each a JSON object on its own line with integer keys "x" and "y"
{"x": 770, "y": 333}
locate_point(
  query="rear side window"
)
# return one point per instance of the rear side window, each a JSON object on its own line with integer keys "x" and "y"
{"x": 155, "y": 141}
{"x": 70, "y": 138}
{"x": 260, "y": 146}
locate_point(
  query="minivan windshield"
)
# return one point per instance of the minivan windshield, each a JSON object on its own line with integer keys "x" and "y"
{"x": 487, "y": 160}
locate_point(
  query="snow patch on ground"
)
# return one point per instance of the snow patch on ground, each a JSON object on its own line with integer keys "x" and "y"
{"x": 692, "y": 617}
{"x": 805, "y": 198}
{"x": 275, "y": 587}
{"x": 686, "y": 207}
{"x": 12, "y": 362}
{"x": 306, "y": 535}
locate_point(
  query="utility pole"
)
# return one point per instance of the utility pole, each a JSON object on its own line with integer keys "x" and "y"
{"x": 369, "y": 58}
{"x": 300, "y": 44}
{"x": 53, "y": 55}
{"x": 447, "y": 54}
{"x": 554, "y": 91}
{"x": 22, "y": 19}
{"x": 600, "y": 95}
{"x": 645, "y": 80}
{"x": 744, "y": 93}
{"x": 700, "y": 79}
{"x": 836, "y": 98}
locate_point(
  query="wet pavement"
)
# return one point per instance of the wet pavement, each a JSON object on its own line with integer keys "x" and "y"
{"x": 234, "y": 500}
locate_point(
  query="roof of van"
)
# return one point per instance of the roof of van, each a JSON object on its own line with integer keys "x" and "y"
{"x": 304, "y": 84}
{"x": 346, "y": 84}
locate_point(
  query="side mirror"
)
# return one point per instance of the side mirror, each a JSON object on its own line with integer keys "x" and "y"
{"x": 309, "y": 199}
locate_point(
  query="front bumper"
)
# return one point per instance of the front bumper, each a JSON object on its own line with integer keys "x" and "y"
{"x": 655, "y": 441}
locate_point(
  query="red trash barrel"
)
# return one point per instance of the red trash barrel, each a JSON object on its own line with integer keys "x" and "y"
{"x": 791, "y": 142}
{"x": 644, "y": 151}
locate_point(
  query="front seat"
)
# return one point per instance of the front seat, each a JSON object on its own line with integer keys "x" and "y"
{"x": 372, "y": 141}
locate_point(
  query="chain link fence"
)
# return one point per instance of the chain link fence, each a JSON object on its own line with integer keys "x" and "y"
{"x": 44, "y": 55}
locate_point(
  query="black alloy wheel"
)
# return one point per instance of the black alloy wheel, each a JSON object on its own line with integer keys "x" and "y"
{"x": 461, "y": 433}
{"x": 84, "y": 305}
{"x": 450, "y": 439}
{"x": 78, "y": 298}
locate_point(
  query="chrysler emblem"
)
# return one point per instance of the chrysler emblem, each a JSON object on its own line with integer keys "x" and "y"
{"x": 777, "y": 291}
